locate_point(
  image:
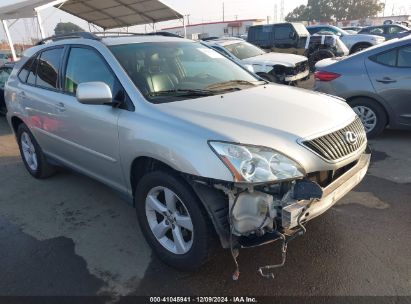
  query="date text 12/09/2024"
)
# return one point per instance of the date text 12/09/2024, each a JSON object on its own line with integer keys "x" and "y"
{"x": 203, "y": 300}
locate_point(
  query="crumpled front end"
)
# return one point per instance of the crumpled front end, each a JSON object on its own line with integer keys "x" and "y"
{"x": 263, "y": 212}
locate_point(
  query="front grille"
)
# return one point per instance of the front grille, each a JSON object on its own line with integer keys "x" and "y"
{"x": 301, "y": 67}
{"x": 335, "y": 146}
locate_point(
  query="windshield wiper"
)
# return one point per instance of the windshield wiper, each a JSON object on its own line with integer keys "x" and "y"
{"x": 183, "y": 92}
{"x": 233, "y": 84}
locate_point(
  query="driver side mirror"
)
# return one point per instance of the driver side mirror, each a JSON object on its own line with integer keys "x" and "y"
{"x": 94, "y": 93}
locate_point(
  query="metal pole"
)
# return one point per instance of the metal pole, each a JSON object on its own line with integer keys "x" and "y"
{"x": 42, "y": 34}
{"x": 223, "y": 11}
{"x": 6, "y": 30}
{"x": 185, "y": 27}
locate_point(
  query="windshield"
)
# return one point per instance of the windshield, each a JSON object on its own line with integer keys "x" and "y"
{"x": 244, "y": 50}
{"x": 171, "y": 71}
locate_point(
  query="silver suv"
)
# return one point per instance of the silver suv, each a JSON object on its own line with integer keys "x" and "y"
{"x": 200, "y": 146}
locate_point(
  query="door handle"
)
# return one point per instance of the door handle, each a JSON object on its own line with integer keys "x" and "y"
{"x": 60, "y": 107}
{"x": 386, "y": 80}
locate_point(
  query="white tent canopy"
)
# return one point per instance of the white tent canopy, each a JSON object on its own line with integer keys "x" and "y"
{"x": 110, "y": 14}
{"x": 17, "y": 9}
{"x": 107, "y": 14}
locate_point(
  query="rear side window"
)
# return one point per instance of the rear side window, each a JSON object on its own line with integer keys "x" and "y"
{"x": 399, "y": 57}
{"x": 396, "y": 30}
{"x": 387, "y": 58}
{"x": 404, "y": 57}
{"x": 85, "y": 65}
{"x": 24, "y": 72}
{"x": 48, "y": 68}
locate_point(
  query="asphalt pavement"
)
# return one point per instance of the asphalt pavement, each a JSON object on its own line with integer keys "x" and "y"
{"x": 70, "y": 235}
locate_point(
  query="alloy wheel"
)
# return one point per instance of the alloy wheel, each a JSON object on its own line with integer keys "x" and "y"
{"x": 169, "y": 220}
{"x": 29, "y": 152}
{"x": 367, "y": 116}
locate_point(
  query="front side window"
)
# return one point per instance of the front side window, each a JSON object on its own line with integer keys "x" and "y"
{"x": 283, "y": 32}
{"x": 86, "y": 65}
{"x": 244, "y": 50}
{"x": 48, "y": 68}
{"x": 171, "y": 71}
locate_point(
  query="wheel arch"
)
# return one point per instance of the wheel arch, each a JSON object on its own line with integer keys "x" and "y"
{"x": 387, "y": 112}
{"x": 214, "y": 202}
{"x": 15, "y": 123}
{"x": 368, "y": 44}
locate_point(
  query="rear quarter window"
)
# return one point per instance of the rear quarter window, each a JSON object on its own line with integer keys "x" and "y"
{"x": 24, "y": 72}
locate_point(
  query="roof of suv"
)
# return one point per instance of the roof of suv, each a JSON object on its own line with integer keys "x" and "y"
{"x": 140, "y": 39}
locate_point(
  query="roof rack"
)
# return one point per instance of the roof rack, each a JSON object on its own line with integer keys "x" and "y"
{"x": 74, "y": 35}
{"x": 119, "y": 34}
{"x": 99, "y": 35}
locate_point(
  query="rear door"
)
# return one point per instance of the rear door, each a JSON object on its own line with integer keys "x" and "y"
{"x": 88, "y": 134}
{"x": 39, "y": 94}
{"x": 390, "y": 74}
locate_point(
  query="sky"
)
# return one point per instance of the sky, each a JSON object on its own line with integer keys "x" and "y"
{"x": 198, "y": 10}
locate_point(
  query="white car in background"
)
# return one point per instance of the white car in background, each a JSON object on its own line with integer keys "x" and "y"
{"x": 354, "y": 42}
{"x": 274, "y": 67}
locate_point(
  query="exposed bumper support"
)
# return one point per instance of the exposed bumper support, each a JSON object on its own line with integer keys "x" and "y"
{"x": 331, "y": 195}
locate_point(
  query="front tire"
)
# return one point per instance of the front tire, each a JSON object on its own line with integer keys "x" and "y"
{"x": 33, "y": 157}
{"x": 173, "y": 220}
{"x": 372, "y": 115}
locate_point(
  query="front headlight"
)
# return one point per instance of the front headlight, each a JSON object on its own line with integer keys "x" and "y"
{"x": 256, "y": 164}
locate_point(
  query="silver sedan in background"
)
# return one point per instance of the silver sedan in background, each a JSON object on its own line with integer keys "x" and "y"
{"x": 375, "y": 82}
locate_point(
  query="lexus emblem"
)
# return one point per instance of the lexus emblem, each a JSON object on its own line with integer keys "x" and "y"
{"x": 351, "y": 138}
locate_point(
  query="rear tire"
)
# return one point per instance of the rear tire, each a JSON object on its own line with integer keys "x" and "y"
{"x": 372, "y": 115}
{"x": 33, "y": 157}
{"x": 164, "y": 221}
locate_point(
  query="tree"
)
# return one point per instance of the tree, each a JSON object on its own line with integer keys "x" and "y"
{"x": 324, "y": 10}
{"x": 298, "y": 14}
{"x": 66, "y": 27}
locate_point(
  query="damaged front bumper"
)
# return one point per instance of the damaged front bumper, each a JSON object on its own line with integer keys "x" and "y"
{"x": 257, "y": 211}
{"x": 331, "y": 195}
{"x": 299, "y": 76}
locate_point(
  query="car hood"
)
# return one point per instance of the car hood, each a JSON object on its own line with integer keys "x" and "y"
{"x": 361, "y": 37}
{"x": 289, "y": 60}
{"x": 256, "y": 114}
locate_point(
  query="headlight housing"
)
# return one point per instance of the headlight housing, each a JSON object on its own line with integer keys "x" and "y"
{"x": 255, "y": 164}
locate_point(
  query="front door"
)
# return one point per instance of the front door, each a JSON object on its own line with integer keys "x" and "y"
{"x": 88, "y": 134}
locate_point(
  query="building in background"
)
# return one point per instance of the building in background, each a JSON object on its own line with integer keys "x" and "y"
{"x": 234, "y": 28}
